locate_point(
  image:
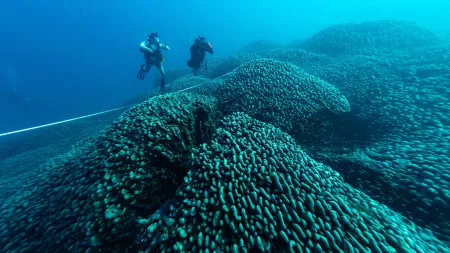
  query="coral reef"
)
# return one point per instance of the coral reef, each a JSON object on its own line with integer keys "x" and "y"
{"x": 370, "y": 38}
{"x": 402, "y": 99}
{"x": 338, "y": 143}
{"x": 252, "y": 189}
{"x": 91, "y": 196}
{"x": 281, "y": 94}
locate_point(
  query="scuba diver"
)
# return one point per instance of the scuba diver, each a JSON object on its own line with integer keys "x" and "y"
{"x": 198, "y": 53}
{"x": 151, "y": 48}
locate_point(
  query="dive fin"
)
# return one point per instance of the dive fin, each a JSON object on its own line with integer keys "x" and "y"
{"x": 141, "y": 73}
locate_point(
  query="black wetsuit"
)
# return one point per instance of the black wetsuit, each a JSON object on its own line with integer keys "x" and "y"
{"x": 198, "y": 53}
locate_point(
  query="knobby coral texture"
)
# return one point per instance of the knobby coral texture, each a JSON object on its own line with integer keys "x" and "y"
{"x": 252, "y": 188}
{"x": 334, "y": 143}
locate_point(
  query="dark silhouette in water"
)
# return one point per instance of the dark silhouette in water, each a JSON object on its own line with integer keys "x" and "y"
{"x": 198, "y": 52}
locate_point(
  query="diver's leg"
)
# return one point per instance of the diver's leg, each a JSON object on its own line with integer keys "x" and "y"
{"x": 145, "y": 68}
{"x": 163, "y": 76}
{"x": 195, "y": 70}
{"x": 196, "y": 66}
{"x": 148, "y": 65}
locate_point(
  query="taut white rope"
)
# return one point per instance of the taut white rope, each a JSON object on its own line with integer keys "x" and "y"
{"x": 90, "y": 115}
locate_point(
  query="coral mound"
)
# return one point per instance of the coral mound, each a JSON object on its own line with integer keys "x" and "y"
{"x": 400, "y": 102}
{"x": 252, "y": 189}
{"x": 93, "y": 196}
{"x": 279, "y": 93}
{"x": 147, "y": 150}
{"x": 370, "y": 38}
{"x": 342, "y": 148}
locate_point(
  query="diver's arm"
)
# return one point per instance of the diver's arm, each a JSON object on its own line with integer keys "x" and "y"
{"x": 164, "y": 46}
{"x": 208, "y": 48}
{"x": 144, "y": 49}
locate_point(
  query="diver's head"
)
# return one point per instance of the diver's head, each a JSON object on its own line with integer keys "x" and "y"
{"x": 153, "y": 37}
{"x": 200, "y": 40}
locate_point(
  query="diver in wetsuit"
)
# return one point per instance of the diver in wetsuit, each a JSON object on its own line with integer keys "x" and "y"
{"x": 198, "y": 53}
{"x": 153, "y": 57}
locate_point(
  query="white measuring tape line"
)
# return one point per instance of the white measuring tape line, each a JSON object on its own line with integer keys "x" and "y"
{"x": 90, "y": 115}
{"x": 63, "y": 121}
